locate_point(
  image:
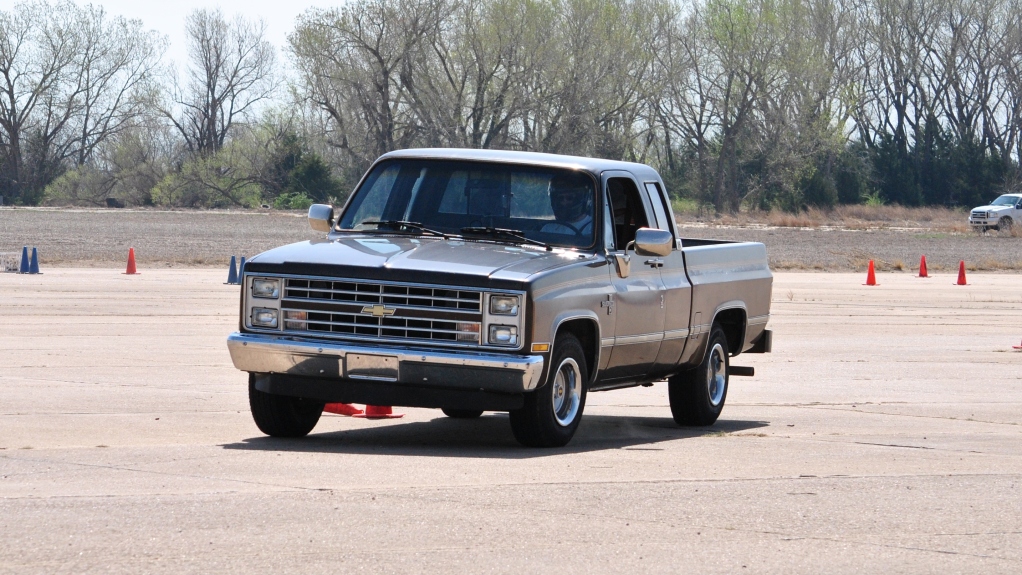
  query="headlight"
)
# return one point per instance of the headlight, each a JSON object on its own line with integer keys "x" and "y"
{"x": 504, "y": 304}
{"x": 264, "y": 317}
{"x": 265, "y": 288}
{"x": 468, "y": 331}
{"x": 503, "y": 335}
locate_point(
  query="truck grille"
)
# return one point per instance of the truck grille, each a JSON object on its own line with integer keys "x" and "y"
{"x": 979, "y": 215}
{"x": 379, "y": 311}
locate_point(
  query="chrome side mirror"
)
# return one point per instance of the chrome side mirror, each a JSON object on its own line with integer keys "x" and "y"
{"x": 653, "y": 242}
{"x": 321, "y": 217}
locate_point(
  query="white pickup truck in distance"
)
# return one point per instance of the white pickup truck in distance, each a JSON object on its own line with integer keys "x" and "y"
{"x": 480, "y": 280}
{"x": 1000, "y": 214}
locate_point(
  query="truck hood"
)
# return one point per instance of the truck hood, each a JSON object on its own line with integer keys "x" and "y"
{"x": 992, "y": 209}
{"x": 400, "y": 258}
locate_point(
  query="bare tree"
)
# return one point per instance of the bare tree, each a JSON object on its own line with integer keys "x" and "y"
{"x": 465, "y": 84}
{"x": 72, "y": 78}
{"x": 229, "y": 71}
{"x": 351, "y": 60}
{"x": 35, "y": 56}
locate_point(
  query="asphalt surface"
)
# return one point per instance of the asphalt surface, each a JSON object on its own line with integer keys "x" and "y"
{"x": 881, "y": 435}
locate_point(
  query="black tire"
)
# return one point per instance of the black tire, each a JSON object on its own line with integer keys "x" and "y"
{"x": 462, "y": 413}
{"x": 552, "y": 413}
{"x": 697, "y": 395}
{"x": 1004, "y": 224}
{"x": 282, "y": 415}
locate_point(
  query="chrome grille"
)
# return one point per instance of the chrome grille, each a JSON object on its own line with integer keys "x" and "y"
{"x": 379, "y": 311}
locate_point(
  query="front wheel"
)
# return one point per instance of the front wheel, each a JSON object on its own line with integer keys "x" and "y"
{"x": 1004, "y": 224}
{"x": 697, "y": 395}
{"x": 282, "y": 415}
{"x": 551, "y": 414}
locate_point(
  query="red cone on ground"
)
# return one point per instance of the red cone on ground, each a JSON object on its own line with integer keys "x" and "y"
{"x": 1017, "y": 346}
{"x": 379, "y": 412}
{"x": 131, "y": 263}
{"x": 922, "y": 267}
{"x": 342, "y": 409}
{"x": 961, "y": 273}
{"x": 871, "y": 275}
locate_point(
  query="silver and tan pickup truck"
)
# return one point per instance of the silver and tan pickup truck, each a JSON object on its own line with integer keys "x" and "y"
{"x": 474, "y": 280}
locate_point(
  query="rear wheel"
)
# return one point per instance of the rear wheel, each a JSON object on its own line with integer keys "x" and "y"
{"x": 551, "y": 414}
{"x": 697, "y": 395}
{"x": 462, "y": 413}
{"x": 282, "y": 415}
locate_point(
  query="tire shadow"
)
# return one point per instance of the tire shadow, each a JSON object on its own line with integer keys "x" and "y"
{"x": 490, "y": 437}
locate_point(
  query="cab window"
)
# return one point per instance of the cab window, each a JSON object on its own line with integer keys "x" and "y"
{"x": 627, "y": 209}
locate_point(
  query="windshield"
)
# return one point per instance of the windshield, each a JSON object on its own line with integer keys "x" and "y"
{"x": 552, "y": 206}
{"x": 1005, "y": 201}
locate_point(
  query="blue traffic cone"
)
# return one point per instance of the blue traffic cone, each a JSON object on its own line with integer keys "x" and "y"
{"x": 24, "y": 261}
{"x": 33, "y": 266}
{"x": 241, "y": 268}
{"x": 232, "y": 273}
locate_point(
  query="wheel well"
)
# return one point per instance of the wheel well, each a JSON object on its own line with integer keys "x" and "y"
{"x": 585, "y": 331}
{"x": 733, "y": 322}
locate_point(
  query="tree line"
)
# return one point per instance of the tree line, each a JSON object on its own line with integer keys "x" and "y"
{"x": 756, "y": 103}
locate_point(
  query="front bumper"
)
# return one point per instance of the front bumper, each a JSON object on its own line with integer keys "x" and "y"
{"x": 429, "y": 368}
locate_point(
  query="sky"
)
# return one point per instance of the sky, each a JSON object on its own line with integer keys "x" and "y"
{"x": 168, "y": 17}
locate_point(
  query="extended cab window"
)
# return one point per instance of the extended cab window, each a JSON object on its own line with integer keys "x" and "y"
{"x": 553, "y": 206}
{"x": 660, "y": 209}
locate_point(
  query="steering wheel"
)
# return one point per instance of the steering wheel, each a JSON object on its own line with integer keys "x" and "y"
{"x": 573, "y": 229}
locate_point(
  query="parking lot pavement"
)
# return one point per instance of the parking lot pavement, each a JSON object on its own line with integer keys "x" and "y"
{"x": 881, "y": 435}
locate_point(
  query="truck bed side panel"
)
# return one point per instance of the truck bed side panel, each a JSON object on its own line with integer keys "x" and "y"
{"x": 726, "y": 276}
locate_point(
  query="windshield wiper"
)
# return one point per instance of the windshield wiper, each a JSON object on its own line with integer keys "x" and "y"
{"x": 402, "y": 224}
{"x": 505, "y": 233}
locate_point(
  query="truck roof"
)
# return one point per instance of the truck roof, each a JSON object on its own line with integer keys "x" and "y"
{"x": 592, "y": 165}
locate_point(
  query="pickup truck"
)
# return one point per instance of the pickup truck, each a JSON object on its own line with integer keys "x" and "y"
{"x": 479, "y": 280}
{"x": 999, "y": 214}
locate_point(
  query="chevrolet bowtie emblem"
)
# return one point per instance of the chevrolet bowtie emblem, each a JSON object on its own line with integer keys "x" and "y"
{"x": 379, "y": 310}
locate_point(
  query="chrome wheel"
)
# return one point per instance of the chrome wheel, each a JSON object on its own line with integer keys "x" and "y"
{"x": 716, "y": 375}
{"x": 567, "y": 392}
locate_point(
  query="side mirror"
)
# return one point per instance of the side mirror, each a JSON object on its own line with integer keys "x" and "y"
{"x": 652, "y": 242}
{"x": 321, "y": 217}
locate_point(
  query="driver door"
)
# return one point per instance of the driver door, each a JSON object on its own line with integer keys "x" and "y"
{"x": 639, "y": 298}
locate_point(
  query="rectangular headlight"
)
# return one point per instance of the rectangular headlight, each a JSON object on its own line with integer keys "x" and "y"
{"x": 504, "y": 304}
{"x": 503, "y": 335}
{"x": 264, "y": 317}
{"x": 266, "y": 288}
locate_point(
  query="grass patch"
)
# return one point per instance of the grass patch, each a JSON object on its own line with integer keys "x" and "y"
{"x": 854, "y": 217}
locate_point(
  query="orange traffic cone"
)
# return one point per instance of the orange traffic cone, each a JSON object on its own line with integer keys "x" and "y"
{"x": 961, "y": 273}
{"x": 871, "y": 276}
{"x": 379, "y": 412}
{"x": 922, "y": 267}
{"x": 342, "y": 409}
{"x": 131, "y": 263}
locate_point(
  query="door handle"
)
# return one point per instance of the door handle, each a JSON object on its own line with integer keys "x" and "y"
{"x": 655, "y": 263}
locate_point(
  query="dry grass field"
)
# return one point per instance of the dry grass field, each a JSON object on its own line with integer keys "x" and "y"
{"x": 844, "y": 239}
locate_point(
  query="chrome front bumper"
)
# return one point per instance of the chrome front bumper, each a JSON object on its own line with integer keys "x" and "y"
{"x": 417, "y": 367}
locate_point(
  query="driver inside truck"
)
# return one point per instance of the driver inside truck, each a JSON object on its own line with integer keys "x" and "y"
{"x": 571, "y": 198}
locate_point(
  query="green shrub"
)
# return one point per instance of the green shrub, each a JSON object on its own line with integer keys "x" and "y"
{"x": 293, "y": 201}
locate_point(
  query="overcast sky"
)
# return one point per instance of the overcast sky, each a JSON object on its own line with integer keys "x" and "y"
{"x": 168, "y": 17}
